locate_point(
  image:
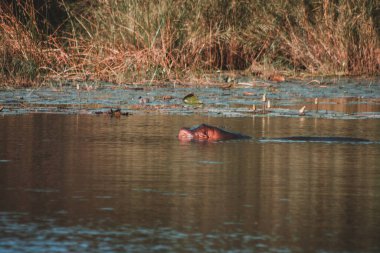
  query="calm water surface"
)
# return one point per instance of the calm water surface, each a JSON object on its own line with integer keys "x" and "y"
{"x": 73, "y": 183}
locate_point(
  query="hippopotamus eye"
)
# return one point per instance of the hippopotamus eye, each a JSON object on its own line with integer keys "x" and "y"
{"x": 202, "y": 135}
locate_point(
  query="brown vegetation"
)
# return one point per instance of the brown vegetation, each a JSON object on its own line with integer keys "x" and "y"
{"x": 137, "y": 40}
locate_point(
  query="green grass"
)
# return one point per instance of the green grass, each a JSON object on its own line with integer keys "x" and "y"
{"x": 140, "y": 40}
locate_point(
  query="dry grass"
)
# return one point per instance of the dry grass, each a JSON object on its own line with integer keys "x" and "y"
{"x": 141, "y": 40}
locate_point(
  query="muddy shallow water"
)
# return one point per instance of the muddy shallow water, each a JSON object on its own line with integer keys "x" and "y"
{"x": 94, "y": 183}
{"x": 341, "y": 98}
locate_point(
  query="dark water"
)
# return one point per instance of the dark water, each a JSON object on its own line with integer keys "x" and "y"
{"x": 71, "y": 183}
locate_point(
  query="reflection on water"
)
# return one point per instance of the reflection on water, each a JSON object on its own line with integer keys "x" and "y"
{"x": 98, "y": 184}
{"x": 348, "y": 105}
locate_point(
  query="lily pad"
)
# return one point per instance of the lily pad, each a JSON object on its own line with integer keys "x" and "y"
{"x": 191, "y": 99}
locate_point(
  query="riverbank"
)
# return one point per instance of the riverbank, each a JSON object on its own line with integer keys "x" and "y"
{"x": 171, "y": 41}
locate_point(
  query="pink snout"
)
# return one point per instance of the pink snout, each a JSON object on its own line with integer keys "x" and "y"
{"x": 185, "y": 134}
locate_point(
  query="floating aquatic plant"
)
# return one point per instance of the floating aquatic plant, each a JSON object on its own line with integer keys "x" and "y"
{"x": 191, "y": 99}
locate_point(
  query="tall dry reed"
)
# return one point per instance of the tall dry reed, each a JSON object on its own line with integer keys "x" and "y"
{"x": 137, "y": 40}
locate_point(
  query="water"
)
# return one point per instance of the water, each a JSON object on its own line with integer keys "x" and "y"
{"x": 86, "y": 183}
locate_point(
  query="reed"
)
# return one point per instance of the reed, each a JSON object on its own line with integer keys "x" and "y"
{"x": 161, "y": 40}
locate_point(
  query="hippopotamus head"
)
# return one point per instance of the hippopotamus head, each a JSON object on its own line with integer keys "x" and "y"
{"x": 205, "y": 132}
{"x": 200, "y": 132}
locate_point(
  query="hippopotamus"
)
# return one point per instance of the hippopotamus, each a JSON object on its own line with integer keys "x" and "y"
{"x": 317, "y": 139}
{"x": 205, "y": 132}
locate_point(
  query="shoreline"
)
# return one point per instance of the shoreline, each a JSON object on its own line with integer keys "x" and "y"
{"x": 342, "y": 98}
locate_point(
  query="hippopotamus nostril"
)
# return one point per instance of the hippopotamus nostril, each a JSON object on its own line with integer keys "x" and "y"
{"x": 185, "y": 134}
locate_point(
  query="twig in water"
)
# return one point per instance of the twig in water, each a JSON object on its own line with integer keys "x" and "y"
{"x": 314, "y": 81}
{"x": 78, "y": 92}
{"x": 316, "y": 103}
{"x": 264, "y": 99}
{"x": 301, "y": 112}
